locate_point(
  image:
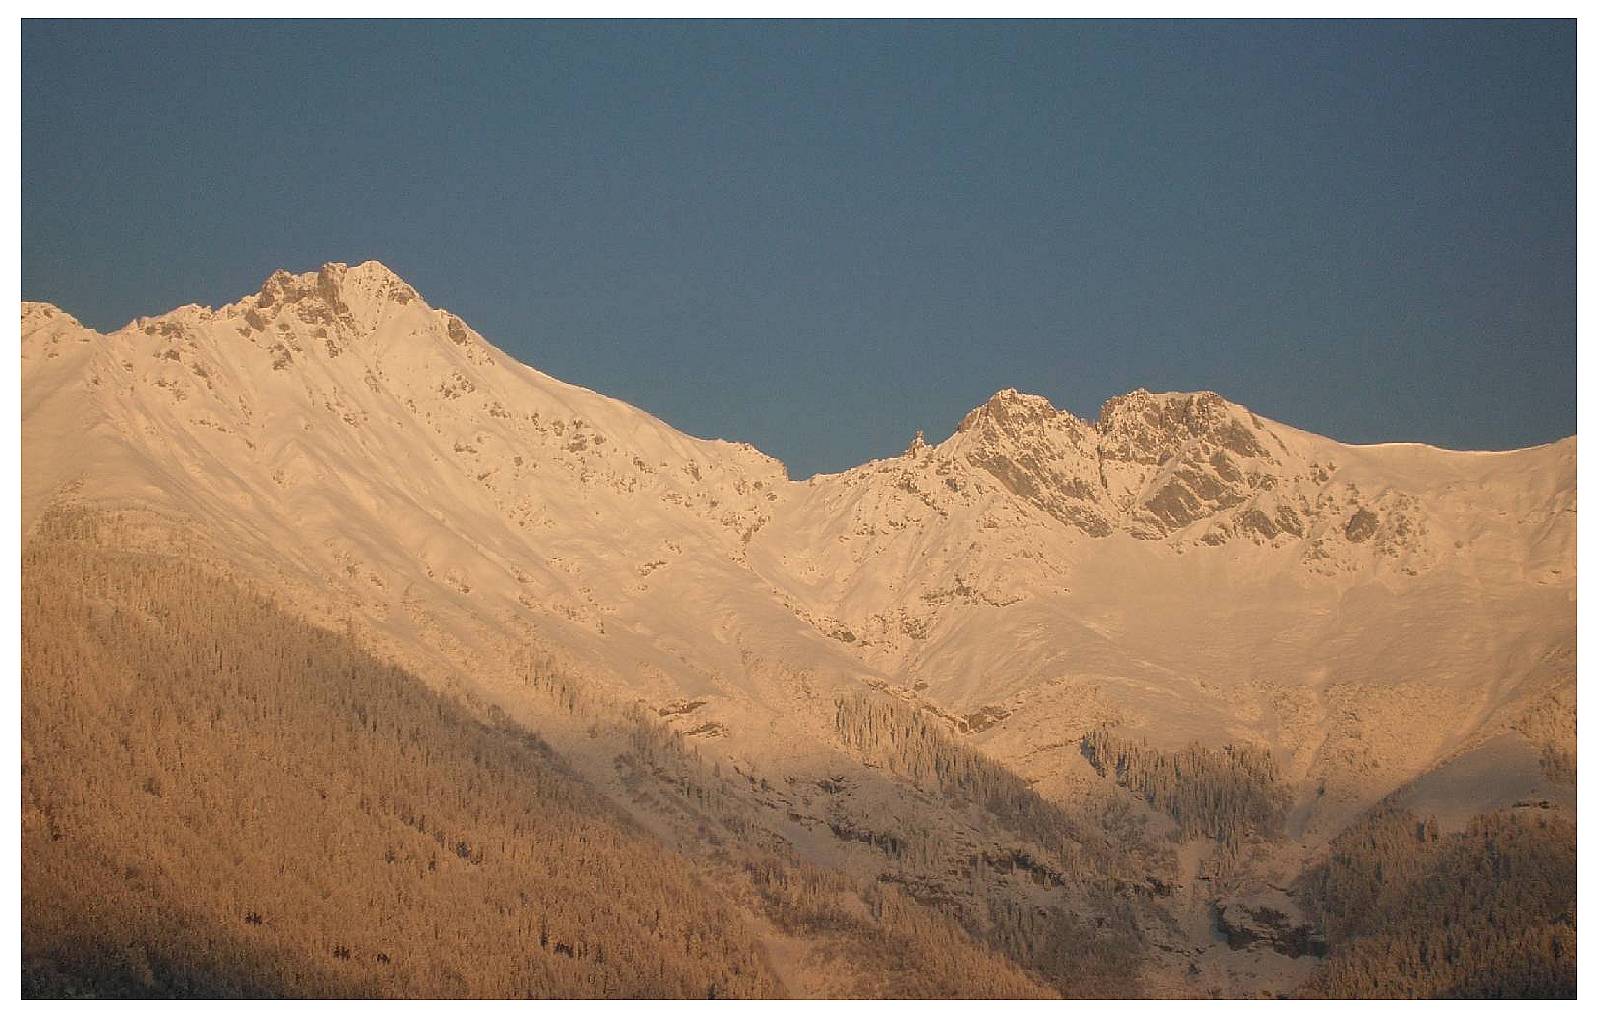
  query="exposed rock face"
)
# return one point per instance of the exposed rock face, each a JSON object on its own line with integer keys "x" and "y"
{"x": 1153, "y": 465}
{"x": 1363, "y": 525}
{"x": 1170, "y": 460}
{"x": 339, "y": 306}
{"x": 1040, "y": 454}
{"x": 1144, "y": 427}
{"x": 1244, "y": 926}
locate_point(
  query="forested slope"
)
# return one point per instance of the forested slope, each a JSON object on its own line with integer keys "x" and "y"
{"x": 219, "y": 799}
{"x": 1490, "y": 912}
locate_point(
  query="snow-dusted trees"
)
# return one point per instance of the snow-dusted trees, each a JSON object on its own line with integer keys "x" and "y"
{"x": 883, "y": 943}
{"x": 221, "y": 799}
{"x": 1229, "y": 794}
{"x": 916, "y": 745}
{"x": 1490, "y": 911}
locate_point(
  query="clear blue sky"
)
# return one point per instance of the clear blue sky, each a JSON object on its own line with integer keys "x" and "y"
{"x": 820, "y": 238}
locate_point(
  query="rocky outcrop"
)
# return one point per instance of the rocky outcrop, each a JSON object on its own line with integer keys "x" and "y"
{"x": 338, "y": 304}
{"x": 1363, "y": 525}
{"x": 1039, "y": 454}
{"x": 1152, "y": 466}
{"x": 1171, "y": 460}
{"x": 1245, "y": 926}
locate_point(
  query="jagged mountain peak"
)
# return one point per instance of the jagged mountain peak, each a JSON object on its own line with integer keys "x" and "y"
{"x": 365, "y": 282}
{"x": 1139, "y": 425}
{"x": 45, "y": 327}
{"x": 356, "y": 299}
{"x": 336, "y": 300}
{"x": 343, "y": 378}
{"x": 1013, "y": 411}
{"x": 36, "y": 314}
{"x": 1142, "y": 400}
{"x": 1152, "y": 464}
{"x": 1143, "y": 426}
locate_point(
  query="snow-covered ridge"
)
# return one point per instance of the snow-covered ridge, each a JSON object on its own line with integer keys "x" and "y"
{"x": 339, "y": 303}
{"x": 363, "y": 343}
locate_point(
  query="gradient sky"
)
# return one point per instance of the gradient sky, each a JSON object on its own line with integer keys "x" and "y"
{"x": 819, "y": 239}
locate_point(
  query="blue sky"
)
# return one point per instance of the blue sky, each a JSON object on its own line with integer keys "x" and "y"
{"x": 820, "y": 238}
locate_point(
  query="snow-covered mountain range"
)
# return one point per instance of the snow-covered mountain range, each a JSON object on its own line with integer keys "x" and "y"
{"x": 1384, "y": 618}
